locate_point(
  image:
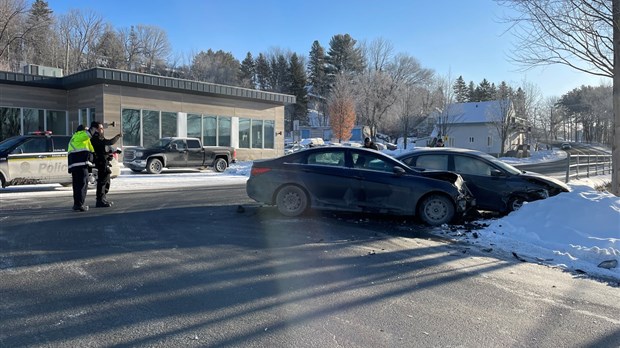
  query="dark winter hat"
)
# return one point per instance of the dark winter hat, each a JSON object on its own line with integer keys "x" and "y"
{"x": 95, "y": 124}
{"x": 80, "y": 128}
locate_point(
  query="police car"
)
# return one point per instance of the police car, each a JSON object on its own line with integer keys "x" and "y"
{"x": 39, "y": 158}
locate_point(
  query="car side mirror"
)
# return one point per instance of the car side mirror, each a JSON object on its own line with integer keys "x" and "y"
{"x": 399, "y": 171}
{"x": 496, "y": 172}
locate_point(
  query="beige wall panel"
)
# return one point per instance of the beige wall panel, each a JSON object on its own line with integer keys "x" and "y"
{"x": 33, "y": 97}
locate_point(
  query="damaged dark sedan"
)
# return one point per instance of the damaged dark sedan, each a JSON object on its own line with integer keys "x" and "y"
{"x": 496, "y": 185}
{"x": 357, "y": 180}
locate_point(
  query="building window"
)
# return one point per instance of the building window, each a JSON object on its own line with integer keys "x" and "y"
{"x": 150, "y": 127}
{"x": 489, "y": 141}
{"x": 269, "y": 135}
{"x": 209, "y": 131}
{"x": 131, "y": 127}
{"x": 34, "y": 120}
{"x": 168, "y": 124}
{"x": 244, "y": 133}
{"x": 257, "y": 134}
{"x": 10, "y": 122}
{"x": 223, "y": 131}
{"x": 471, "y": 139}
{"x": 194, "y": 126}
{"x": 57, "y": 122}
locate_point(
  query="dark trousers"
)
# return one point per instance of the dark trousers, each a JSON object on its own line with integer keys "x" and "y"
{"x": 103, "y": 183}
{"x": 80, "y": 185}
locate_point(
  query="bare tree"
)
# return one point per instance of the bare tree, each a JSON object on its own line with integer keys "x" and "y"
{"x": 13, "y": 29}
{"x": 378, "y": 85}
{"x": 154, "y": 46}
{"x": 582, "y": 34}
{"x": 80, "y": 32}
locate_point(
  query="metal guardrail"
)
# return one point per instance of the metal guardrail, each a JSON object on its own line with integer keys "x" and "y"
{"x": 587, "y": 165}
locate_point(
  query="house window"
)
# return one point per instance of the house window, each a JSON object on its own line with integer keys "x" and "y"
{"x": 194, "y": 126}
{"x": 131, "y": 127}
{"x": 257, "y": 134}
{"x": 489, "y": 141}
{"x": 471, "y": 139}
{"x": 244, "y": 133}
{"x": 169, "y": 124}
{"x": 209, "y": 131}
{"x": 224, "y": 125}
{"x": 269, "y": 134}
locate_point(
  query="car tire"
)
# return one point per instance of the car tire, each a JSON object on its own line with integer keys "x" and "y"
{"x": 220, "y": 165}
{"x": 291, "y": 201}
{"x": 515, "y": 203}
{"x": 154, "y": 166}
{"x": 436, "y": 210}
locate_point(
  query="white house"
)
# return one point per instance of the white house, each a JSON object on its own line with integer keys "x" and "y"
{"x": 475, "y": 126}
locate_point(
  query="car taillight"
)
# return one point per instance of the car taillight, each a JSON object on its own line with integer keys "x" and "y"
{"x": 259, "y": 171}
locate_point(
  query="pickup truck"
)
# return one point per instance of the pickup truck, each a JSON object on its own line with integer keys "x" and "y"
{"x": 175, "y": 152}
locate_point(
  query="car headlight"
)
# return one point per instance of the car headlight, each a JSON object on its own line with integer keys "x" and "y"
{"x": 139, "y": 154}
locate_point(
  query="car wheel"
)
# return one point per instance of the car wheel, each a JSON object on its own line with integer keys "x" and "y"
{"x": 515, "y": 203}
{"x": 220, "y": 165}
{"x": 154, "y": 166}
{"x": 436, "y": 210}
{"x": 291, "y": 200}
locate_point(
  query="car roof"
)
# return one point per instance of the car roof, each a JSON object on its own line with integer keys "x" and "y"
{"x": 446, "y": 150}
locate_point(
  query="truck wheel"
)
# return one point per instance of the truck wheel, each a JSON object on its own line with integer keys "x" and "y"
{"x": 154, "y": 166}
{"x": 220, "y": 165}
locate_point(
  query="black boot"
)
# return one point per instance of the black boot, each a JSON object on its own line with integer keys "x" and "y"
{"x": 103, "y": 204}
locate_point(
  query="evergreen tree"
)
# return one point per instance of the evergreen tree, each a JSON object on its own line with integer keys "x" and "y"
{"x": 472, "y": 95}
{"x": 37, "y": 39}
{"x": 263, "y": 72}
{"x": 484, "y": 91}
{"x": 109, "y": 50}
{"x": 247, "y": 72}
{"x": 460, "y": 90}
{"x": 279, "y": 74}
{"x": 216, "y": 67}
{"x": 297, "y": 87}
{"x": 344, "y": 55}
{"x": 316, "y": 69}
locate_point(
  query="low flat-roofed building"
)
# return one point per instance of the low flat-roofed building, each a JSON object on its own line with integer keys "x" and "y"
{"x": 144, "y": 108}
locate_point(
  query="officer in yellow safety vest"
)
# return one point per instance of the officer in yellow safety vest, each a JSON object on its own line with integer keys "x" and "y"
{"x": 80, "y": 157}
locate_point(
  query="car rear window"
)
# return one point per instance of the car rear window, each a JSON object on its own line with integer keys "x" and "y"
{"x": 60, "y": 144}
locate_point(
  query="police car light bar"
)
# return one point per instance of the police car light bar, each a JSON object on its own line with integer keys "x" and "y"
{"x": 41, "y": 133}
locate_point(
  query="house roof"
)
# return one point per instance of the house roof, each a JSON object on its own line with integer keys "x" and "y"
{"x": 97, "y": 76}
{"x": 474, "y": 112}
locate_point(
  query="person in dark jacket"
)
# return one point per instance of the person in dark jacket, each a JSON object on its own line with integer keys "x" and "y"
{"x": 369, "y": 144}
{"x": 80, "y": 160}
{"x": 103, "y": 156}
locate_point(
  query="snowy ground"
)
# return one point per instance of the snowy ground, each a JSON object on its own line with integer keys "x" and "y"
{"x": 578, "y": 231}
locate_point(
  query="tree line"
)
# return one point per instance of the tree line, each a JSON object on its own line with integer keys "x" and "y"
{"x": 344, "y": 84}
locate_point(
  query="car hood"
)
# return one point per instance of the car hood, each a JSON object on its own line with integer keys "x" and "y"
{"x": 545, "y": 179}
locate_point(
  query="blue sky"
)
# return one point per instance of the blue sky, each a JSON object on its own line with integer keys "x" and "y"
{"x": 456, "y": 37}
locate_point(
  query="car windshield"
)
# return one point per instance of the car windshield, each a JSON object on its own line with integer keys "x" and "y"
{"x": 505, "y": 166}
{"x": 161, "y": 143}
{"x": 9, "y": 143}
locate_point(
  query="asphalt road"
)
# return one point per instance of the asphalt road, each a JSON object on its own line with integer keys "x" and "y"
{"x": 206, "y": 267}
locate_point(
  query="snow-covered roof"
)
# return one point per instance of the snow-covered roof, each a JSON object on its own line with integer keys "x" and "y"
{"x": 474, "y": 112}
